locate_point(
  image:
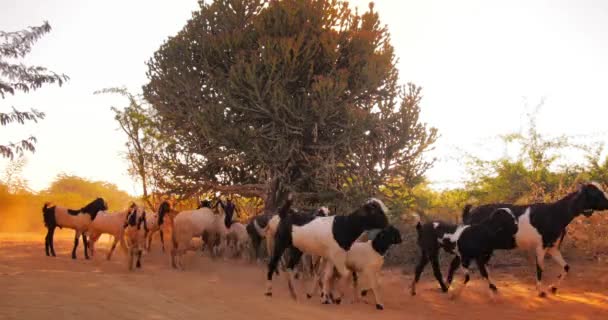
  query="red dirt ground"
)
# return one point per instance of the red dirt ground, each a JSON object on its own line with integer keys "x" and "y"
{"x": 34, "y": 286}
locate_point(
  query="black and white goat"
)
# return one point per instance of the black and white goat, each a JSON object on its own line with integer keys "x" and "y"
{"x": 477, "y": 243}
{"x": 78, "y": 220}
{"x": 136, "y": 232}
{"x": 256, "y": 229}
{"x": 308, "y": 261}
{"x": 327, "y": 237}
{"x": 542, "y": 226}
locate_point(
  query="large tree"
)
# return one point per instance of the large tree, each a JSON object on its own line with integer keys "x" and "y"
{"x": 264, "y": 97}
{"x": 15, "y": 76}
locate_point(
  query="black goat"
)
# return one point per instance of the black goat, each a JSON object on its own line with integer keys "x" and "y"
{"x": 478, "y": 242}
{"x": 429, "y": 242}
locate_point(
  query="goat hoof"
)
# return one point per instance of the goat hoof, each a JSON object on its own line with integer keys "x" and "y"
{"x": 268, "y": 294}
{"x": 364, "y": 293}
{"x": 554, "y": 290}
{"x": 308, "y": 295}
{"x": 444, "y": 289}
{"x": 379, "y": 306}
{"x": 337, "y": 301}
{"x": 74, "y": 257}
{"x": 326, "y": 302}
{"x": 542, "y": 294}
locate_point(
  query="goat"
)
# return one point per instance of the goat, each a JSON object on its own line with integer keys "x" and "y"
{"x": 542, "y": 226}
{"x": 112, "y": 224}
{"x": 237, "y": 239}
{"x": 477, "y": 243}
{"x": 328, "y": 237}
{"x": 79, "y": 220}
{"x": 429, "y": 242}
{"x": 271, "y": 230}
{"x": 156, "y": 222}
{"x": 256, "y": 229}
{"x": 136, "y": 231}
{"x": 365, "y": 260}
{"x": 193, "y": 223}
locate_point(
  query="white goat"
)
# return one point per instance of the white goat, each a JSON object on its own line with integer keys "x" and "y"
{"x": 193, "y": 223}
{"x": 238, "y": 239}
{"x": 112, "y": 224}
{"x": 365, "y": 259}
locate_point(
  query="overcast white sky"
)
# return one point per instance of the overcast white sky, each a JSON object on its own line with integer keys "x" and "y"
{"x": 477, "y": 61}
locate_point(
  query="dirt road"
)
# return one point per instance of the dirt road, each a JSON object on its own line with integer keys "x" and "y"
{"x": 33, "y": 286}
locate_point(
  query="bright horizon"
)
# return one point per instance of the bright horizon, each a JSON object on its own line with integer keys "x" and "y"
{"x": 477, "y": 62}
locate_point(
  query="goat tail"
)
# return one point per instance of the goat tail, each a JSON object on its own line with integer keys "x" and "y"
{"x": 466, "y": 213}
{"x": 48, "y": 215}
{"x": 418, "y": 227}
{"x": 286, "y": 206}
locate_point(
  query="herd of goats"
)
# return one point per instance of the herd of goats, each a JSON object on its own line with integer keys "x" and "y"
{"x": 337, "y": 247}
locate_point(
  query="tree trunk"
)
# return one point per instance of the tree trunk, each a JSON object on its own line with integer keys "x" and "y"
{"x": 275, "y": 196}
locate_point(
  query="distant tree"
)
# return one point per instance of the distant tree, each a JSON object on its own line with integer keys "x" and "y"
{"x": 143, "y": 141}
{"x": 74, "y": 191}
{"x": 596, "y": 168}
{"x": 13, "y": 178}
{"x": 535, "y": 173}
{"x": 16, "y": 76}
{"x": 265, "y": 97}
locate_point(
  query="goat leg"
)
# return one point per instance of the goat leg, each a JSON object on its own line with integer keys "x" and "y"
{"x": 557, "y": 257}
{"x": 373, "y": 280}
{"x": 481, "y": 264}
{"x": 454, "y": 265}
{"x": 455, "y": 292}
{"x": 424, "y": 260}
{"x": 75, "y": 244}
{"x": 540, "y": 265}
{"x": 84, "y": 242}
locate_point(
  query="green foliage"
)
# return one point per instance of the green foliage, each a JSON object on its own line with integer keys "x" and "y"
{"x": 531, "y": 176}
{"x": 281, "y": 96}
{"x": 18, "y": 77}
